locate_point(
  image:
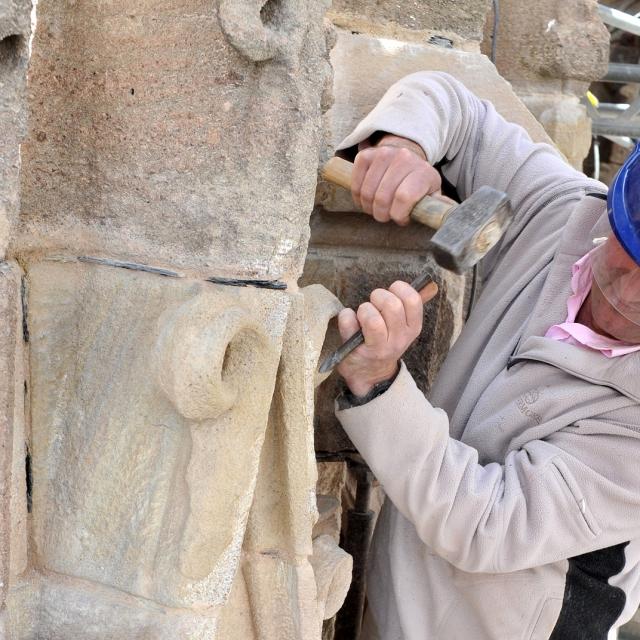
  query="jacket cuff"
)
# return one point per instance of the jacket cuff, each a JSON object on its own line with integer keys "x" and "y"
{"x": 395, "y": 389}
{"x": 400, "y": 417}
{"x": 346, "y": 399}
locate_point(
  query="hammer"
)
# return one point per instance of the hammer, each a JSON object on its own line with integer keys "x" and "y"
{"x": 465, "y": 233}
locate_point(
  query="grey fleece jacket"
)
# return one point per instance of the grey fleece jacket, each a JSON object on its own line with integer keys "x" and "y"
{"x": 514, "y": 490}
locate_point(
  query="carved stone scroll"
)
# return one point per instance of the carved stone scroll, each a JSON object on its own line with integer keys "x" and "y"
{"x": 146, "y": 450}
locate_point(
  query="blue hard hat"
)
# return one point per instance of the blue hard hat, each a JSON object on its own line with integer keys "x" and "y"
{"x": 623, "y": 204}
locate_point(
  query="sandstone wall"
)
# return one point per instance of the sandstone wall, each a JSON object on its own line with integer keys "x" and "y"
{"x": 14, "y": 37}
{"x": 157, "y": 454}
{"x": 551, "y": 51}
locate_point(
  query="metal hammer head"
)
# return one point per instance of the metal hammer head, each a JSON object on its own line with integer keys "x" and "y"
{"x": 471, "y": 229}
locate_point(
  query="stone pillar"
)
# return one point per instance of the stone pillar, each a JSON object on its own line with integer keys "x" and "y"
{"x": 167, "y": 180}
{"x": 14, "y": 37}
{"x": 551, "y": 51}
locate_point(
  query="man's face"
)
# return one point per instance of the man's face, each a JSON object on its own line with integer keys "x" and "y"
{"x": 615, "y": 294}
{"x": 609, "y": 320}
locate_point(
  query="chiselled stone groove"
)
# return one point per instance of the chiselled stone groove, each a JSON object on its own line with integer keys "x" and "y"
{"x": 11, "y": 49}
{"x": 261, "y": 30}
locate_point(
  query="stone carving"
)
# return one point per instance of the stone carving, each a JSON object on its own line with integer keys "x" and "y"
{"x": 263, "y": 29}
{"x": 278, "y": 579}
{"x": 211, "y": 360}
{"x": 178, "y": 475}
{"x": 172, "y": 151}
{"x": 332, "y": 568}
{"x": 153, "y": 139}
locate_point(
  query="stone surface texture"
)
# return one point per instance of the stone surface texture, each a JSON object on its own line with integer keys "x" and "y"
{"x": 14, "y": 36}
{"x": 181, "y": 134}
{"x": 462, "y": 19}
{"x": 549, "y": 39}
{"x": 203, "y": 360}
{"x": 551, "y": 51}
{"x": 13, "y": 499}
{"x": 161, "y": 484}
{"x": 172, "y": 459}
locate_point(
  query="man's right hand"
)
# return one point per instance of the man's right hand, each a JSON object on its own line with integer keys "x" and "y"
{"x": 391, "y": 177}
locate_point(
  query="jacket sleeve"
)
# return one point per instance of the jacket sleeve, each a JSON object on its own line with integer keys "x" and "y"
{"x": 478, "y": 146}
{"x": 552, "y": 499}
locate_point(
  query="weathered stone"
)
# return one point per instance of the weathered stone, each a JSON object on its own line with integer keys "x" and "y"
{"x": 278, "y": 583}
{"x": 14, "y": 36}
{"x": 329, "y": 488}
{"x": 551, "y": 51}
{"x": 283, "y": 598}
{"x": 366, "y": 67}
{"x": 567, "y": 122}
{"x": 329, "y": 516}
{"x": 150, "y": 399}
{"x": 549, "y": 39}
{"x": 332, "y": 568}
{"x": 464, "y": 18}
{"x": 13, "y": 493}
{"x": 61, "y": 608}
{"x": 155, "y": 137}
{"x": 284, "y": 508}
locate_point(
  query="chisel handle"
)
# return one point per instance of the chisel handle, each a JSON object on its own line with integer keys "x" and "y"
{"x": 428, "y": 211}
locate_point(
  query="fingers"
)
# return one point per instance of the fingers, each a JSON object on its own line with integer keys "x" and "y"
{"x": 347, "y": 324}
{"x": 411, "y": 302}
{"x": 369, "y": 168}
{"x": 388, "y": 315}
{"x": 361, "y": 165}
{"x": 388, "y": 181}
{"x": 392, "y": 310}
{"x": 390, "y": 322}
{"x": 410, "y": 191}
{"x": 401, "y": 166}
{"x": 373, "y": 325}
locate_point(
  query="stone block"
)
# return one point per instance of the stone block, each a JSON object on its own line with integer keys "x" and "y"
{"x": 284, "y": 507}
{"x": 464, "y": 18}
{"x": 283, "y": 598}
{"x": 57, "y": 607}
{"x": 569, "y": 125}
{"x": 332, "y": 568}
{"x": 150, "y": 399}
{"x": 175, "y": 134}
{"x": 286, "y": 597}
{"x": 550, "y": 40}
{"x": 13, "y": 493}
{"x": 14, "y": 36}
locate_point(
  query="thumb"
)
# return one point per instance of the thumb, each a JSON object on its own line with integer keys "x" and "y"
{"x": 347, "y": 323}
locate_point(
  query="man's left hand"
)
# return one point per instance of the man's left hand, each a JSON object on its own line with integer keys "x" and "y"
{"x": 390, "y": 322}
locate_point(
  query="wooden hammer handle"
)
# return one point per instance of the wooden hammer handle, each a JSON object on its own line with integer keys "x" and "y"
{"x": 428, "y": 211}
